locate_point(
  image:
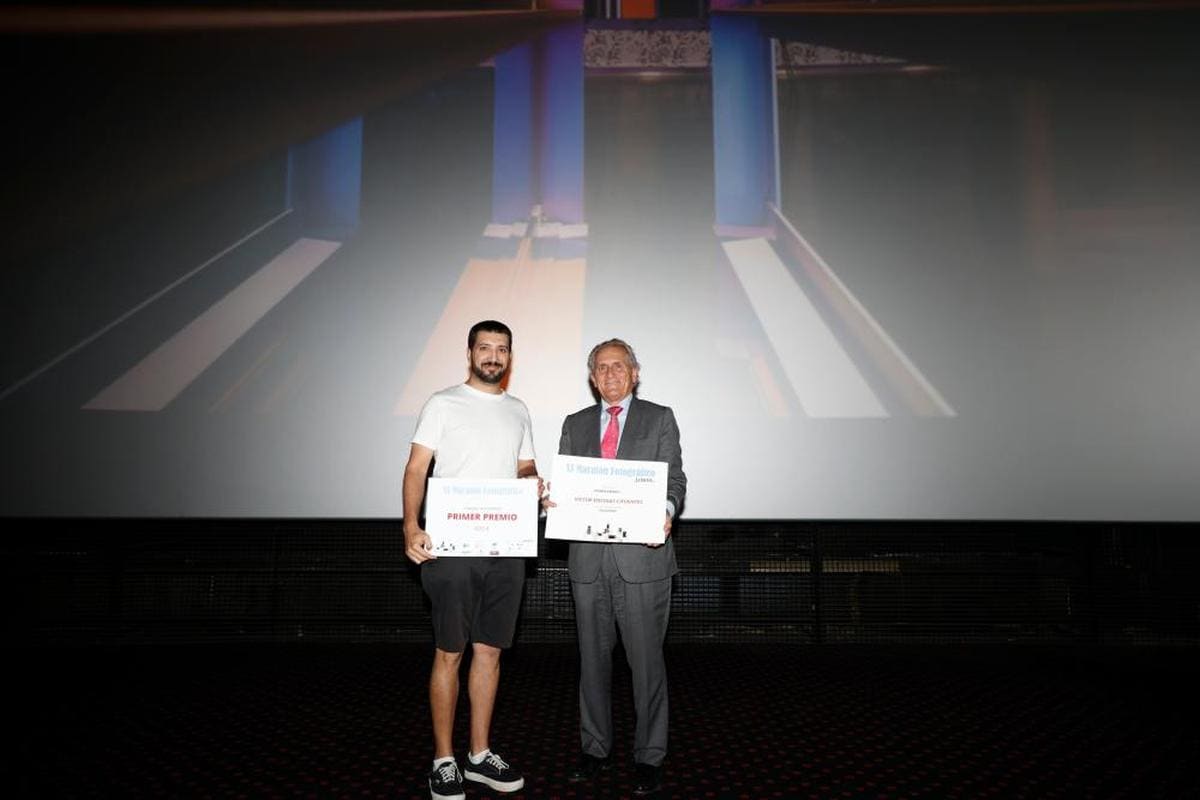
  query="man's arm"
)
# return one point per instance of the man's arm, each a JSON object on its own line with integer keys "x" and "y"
{"x": 670, "y": 451}
{"x": 417, "y": 544}
{"x": 565, "y": 446}
{"x": 528, "y": 469}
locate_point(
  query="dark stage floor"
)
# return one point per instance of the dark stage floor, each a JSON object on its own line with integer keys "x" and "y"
{"x": 747, "y": 721}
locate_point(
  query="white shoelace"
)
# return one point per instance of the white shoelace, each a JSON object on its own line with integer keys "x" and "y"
{"x": 496, "y": 761}
{"x": 448, "y": 771}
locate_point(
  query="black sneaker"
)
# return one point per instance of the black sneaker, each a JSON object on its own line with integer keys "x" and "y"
{"x": 445, "y": 782}
{"x": 495, "y": 772}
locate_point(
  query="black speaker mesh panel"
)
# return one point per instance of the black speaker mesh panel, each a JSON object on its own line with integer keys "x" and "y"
{"x": 178, "y": 581}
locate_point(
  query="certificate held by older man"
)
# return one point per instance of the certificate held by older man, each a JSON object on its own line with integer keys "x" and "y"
{"x": 607, "y": 500}
{"x": 482, "y": 517}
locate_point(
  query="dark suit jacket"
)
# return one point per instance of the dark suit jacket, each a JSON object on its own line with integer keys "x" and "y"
{"x": 649, "y": 433}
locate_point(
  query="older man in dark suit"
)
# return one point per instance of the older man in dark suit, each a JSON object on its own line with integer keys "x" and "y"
{"x": 625, "y": 587}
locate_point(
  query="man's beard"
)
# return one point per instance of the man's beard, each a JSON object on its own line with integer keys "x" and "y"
{"x": 494, "y": 378}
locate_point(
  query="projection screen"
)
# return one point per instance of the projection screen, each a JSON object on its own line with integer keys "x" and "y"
{"x": 903, "y": 294}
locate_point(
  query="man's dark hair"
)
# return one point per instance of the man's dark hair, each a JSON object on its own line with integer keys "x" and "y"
{"x": 490, "y": 326}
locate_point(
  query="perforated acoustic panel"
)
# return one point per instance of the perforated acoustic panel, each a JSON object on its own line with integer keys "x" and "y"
{"x": 160, "y": 581}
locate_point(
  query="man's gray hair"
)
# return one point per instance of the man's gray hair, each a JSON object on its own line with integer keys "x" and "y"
{"x": 632, "y": 357}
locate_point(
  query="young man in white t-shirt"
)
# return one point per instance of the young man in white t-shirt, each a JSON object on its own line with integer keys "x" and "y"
{"x": 470, "y": 430}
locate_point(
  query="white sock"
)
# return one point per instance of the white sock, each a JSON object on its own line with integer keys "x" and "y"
{"x": 437, "y": 762}
{"x": 477, "y": 758}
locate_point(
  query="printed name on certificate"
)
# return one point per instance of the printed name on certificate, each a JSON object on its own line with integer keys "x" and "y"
{"x": 607, "y": 500}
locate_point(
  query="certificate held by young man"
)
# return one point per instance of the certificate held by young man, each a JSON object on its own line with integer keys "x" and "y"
{"x": 607, "y": 500}
{"x": 482, "y": 517}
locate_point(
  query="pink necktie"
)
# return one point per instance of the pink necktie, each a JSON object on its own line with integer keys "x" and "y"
{"x": 608, "y": 443}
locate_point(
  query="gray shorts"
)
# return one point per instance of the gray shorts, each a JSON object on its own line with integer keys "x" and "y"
{"x": 474, "y": 600}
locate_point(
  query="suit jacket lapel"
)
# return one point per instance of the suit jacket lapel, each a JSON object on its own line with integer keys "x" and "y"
{"x": 632, "y": 431}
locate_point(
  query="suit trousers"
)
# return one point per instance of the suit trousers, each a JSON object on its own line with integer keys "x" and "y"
{"x": 640, "y": 611}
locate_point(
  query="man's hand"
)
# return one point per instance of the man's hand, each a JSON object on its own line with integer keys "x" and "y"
{"x": 666, "y": 533}
{"x": 418, "y": 546}
{"x": 545, "y": 495}
{"x": 541, "y": 483}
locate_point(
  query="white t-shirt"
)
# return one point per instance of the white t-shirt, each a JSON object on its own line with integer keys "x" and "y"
{"x": 474, "y": 434}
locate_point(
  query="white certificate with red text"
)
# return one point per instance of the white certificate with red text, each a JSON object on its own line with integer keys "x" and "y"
{"x": 482, "y": 517}
{"x": 608, "y": 500}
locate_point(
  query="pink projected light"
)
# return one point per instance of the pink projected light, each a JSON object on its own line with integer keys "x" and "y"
{"x": 541, "y": 299}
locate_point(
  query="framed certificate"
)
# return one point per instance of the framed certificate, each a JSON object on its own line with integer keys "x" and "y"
{"x": 482, "y": 517}
{"x": 607, "y": 500}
